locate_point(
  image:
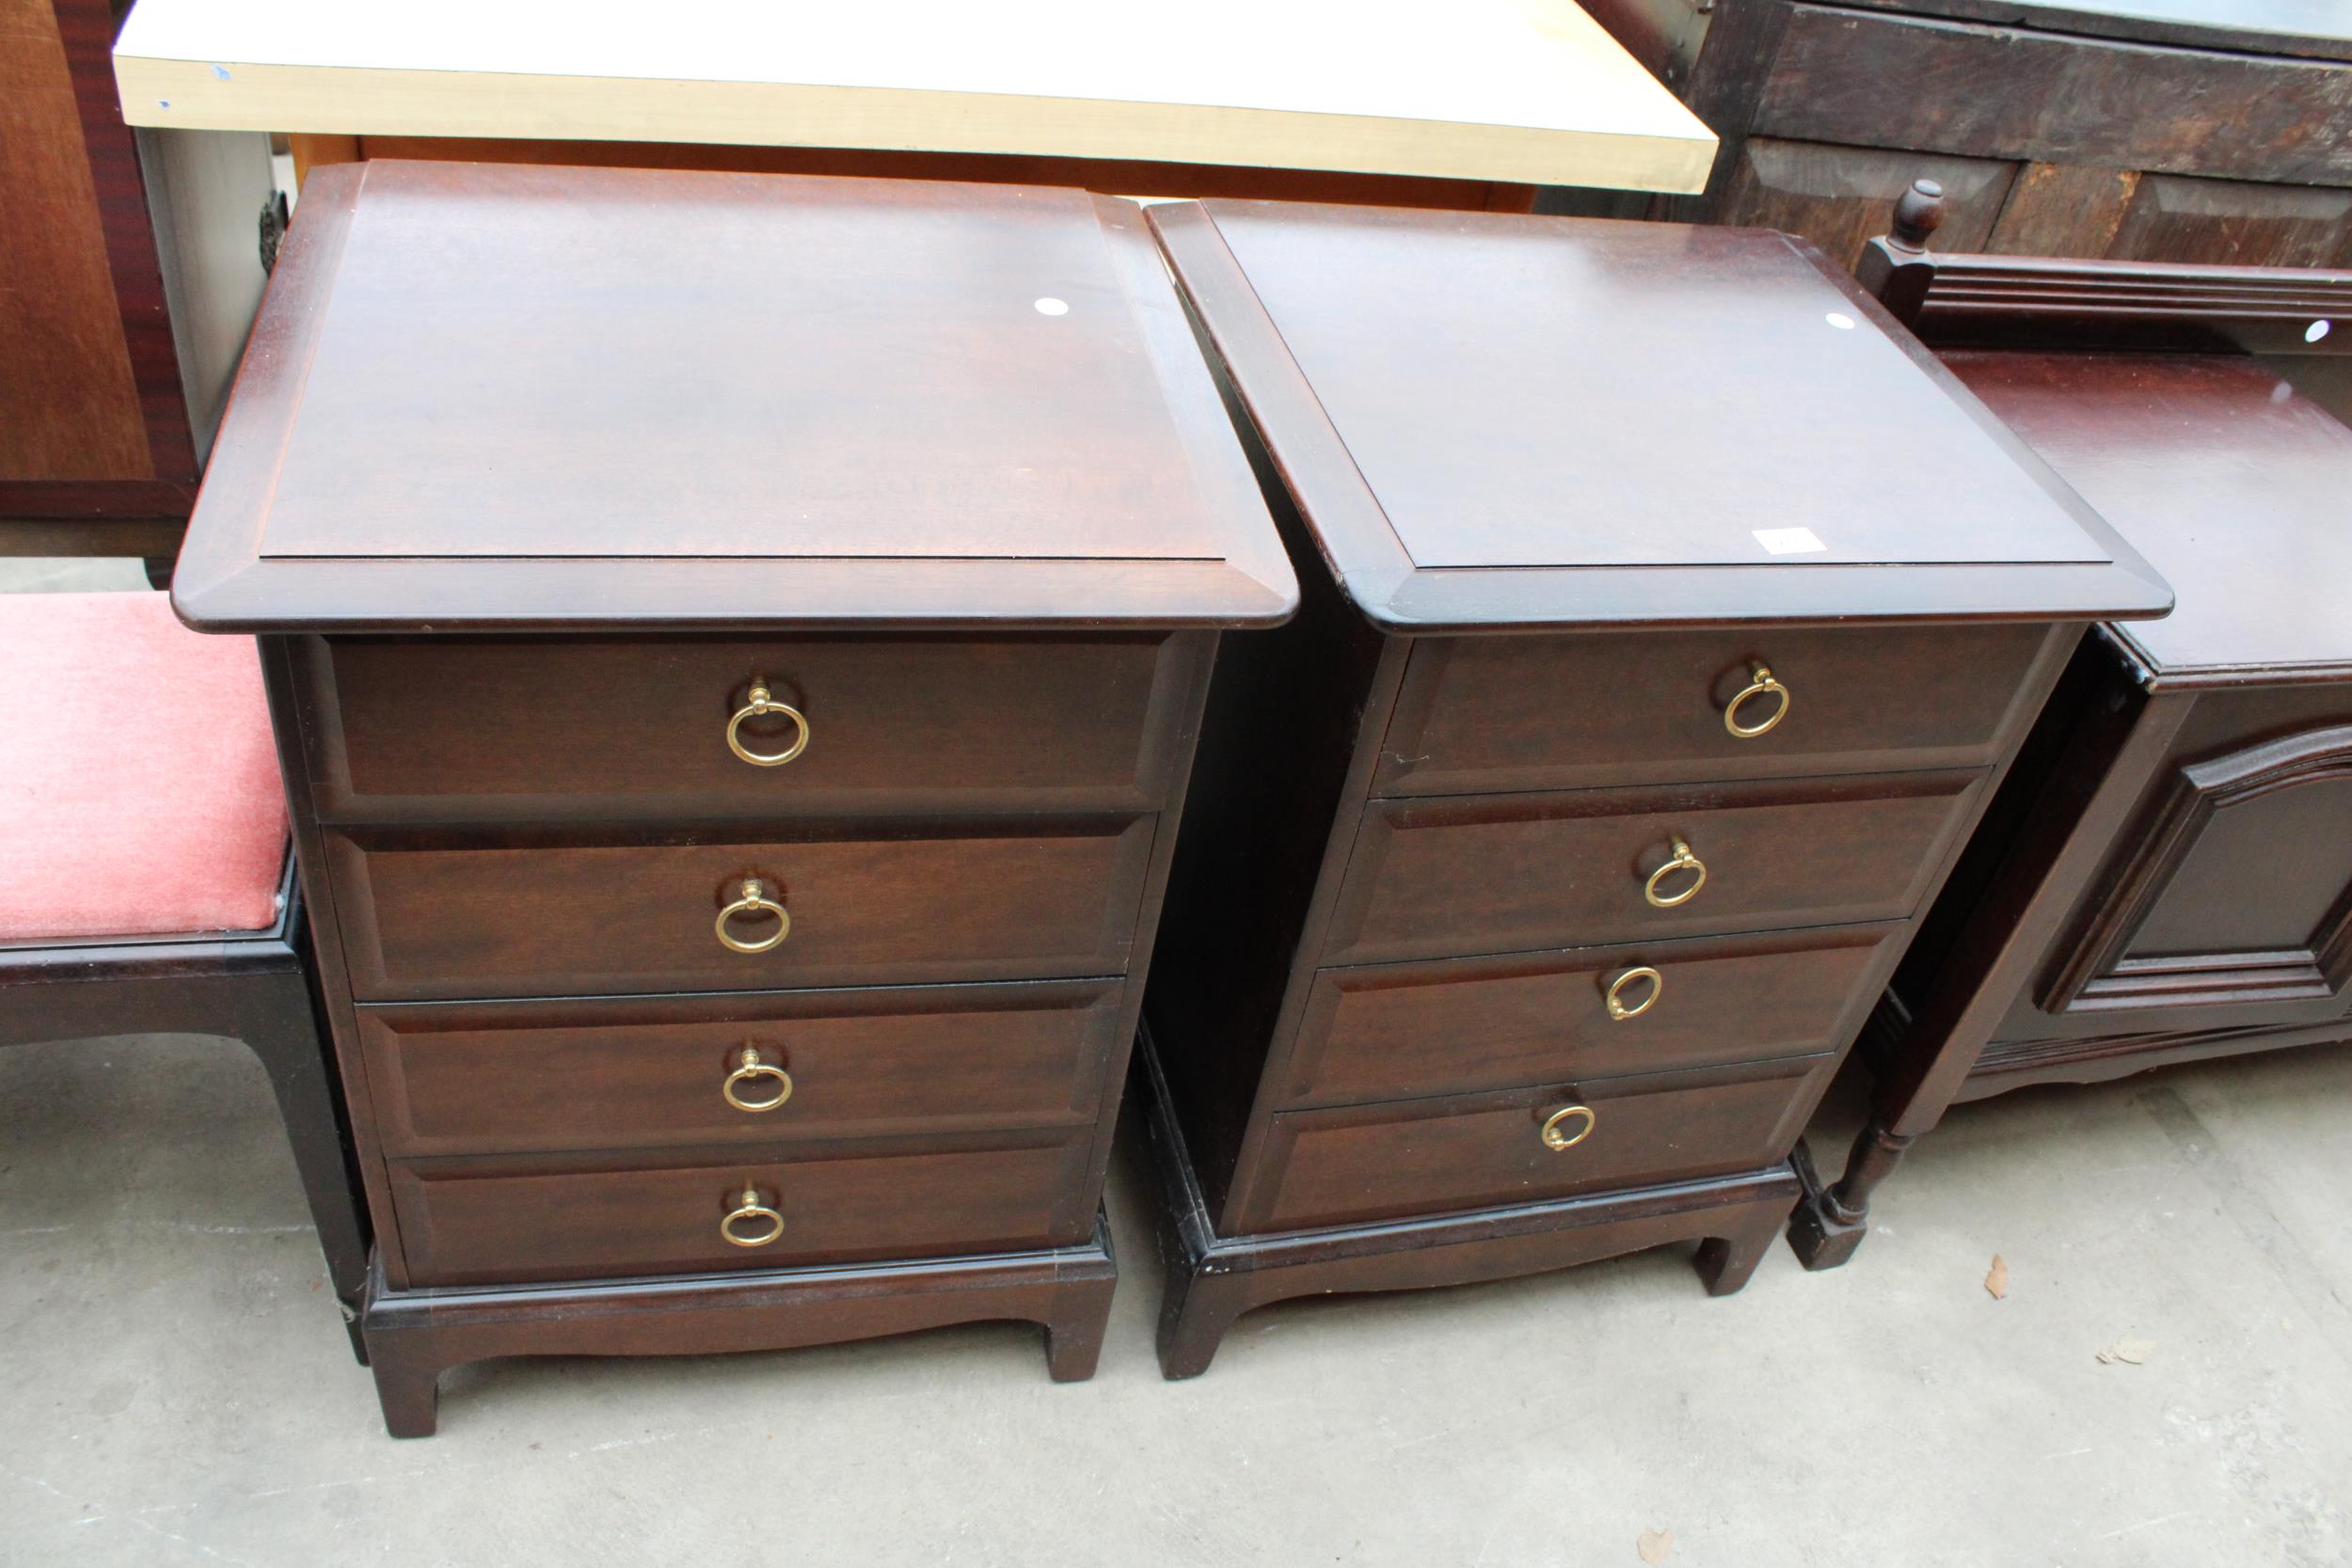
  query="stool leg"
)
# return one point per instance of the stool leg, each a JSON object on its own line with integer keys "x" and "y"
{"x": 282, "y": 1029}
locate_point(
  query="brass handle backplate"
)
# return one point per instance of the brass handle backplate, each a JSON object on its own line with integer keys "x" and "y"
{"x": 1615, "y": 997}
{"x": 763, "y": 702}
{"x": 1683, "y": 861}
{"x": 1761, "y": 684}
{"x": 1557, "y": 1136}
{"x": 748, "y": 1208}
{"x": 749, "y": 1068}
{"x": 754, "y": 899}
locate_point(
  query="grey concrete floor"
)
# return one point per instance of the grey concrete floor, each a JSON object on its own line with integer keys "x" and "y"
{"x": 175, "y": 1387}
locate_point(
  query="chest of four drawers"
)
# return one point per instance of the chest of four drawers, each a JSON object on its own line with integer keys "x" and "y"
{"x": 1667, "y": 624}
{"x": 581, "y": 1064}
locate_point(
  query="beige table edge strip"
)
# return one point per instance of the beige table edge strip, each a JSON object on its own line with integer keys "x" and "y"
{"x": 188, "y": 93}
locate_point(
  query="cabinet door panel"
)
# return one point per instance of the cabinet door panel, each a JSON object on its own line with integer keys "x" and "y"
{"x": 2235, "y": 223}
{"x": 69, "y": 403}
{"x": 2236, "y": 889}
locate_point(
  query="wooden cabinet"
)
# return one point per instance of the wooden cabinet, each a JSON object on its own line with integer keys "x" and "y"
{"x": 2210, "y": 133}
{"x": 2167, "y": 875}
{"x": 132, "y": 266}
{"x": 735, "y": 742}
{"x": 1668, "y": 621}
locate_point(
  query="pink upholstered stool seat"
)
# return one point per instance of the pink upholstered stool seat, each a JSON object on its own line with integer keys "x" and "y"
{"x": 139, "y": 787}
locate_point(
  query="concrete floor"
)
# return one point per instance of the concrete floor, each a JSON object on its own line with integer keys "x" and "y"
{"x": 176, "y": 1387}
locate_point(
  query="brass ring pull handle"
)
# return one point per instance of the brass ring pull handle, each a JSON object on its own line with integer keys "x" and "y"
{"x": 750, "y": 1208}
{"x": 1761, "y": 684}
{"x": 1557, "y": 1136}
{"x": 1683, "y": 861}
{"x": 755, "y": 900}
{"x": 749, "y": 1068}
{"x": 1615, "y": 997}
{"x": 763, "y": 702}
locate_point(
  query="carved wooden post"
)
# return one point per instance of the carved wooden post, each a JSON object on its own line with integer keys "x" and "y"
{"x": 1895, "y": 267}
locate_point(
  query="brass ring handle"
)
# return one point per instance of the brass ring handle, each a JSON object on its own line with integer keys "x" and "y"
{"x": 751, "y": 1209}
{"x": 762, "y": 703}
{"x": 755, "y": 900}
{"x": 1556, "y": 1137}
{"x": 1760, "y": 685}
{"x": 1683, "y": 861}
{"x": 1618, "y": 1009}
{"x": 749, "y": 1069}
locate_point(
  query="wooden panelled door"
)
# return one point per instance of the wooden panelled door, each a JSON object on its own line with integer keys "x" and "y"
{"x": 94, "y": 432}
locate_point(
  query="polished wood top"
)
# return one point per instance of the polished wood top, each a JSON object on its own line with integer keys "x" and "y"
{"x": 1524, "y": 90}
{"x": 2237, "y": 486}
{"x": 498, "y": 394}
{"x": 1493, "y": 421}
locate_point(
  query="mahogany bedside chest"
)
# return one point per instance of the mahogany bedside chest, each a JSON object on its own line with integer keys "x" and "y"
{"x": 736, "y": 644}
{"x": 1669, "y": 617}
{"x": 2167, "y": 874}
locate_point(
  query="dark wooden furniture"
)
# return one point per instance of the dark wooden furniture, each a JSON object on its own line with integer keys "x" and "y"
{"x": 250, "y": 985}
{"x": 2167, "y": 876}
{"x": 738, "y": 643}
{"x": 2210, "y": 130}
{"x": 108, "y": 401}
{"x": 1540, "y": 873}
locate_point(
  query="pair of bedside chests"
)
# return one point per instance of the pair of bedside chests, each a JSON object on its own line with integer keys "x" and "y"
{"x": 750, "y": 657}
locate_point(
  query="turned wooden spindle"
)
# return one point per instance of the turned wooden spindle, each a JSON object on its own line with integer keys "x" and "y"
{"x": 1918, "y": 213}
{"x": 1896, "y": 266}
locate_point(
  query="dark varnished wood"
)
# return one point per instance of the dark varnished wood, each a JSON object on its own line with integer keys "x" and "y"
{"x": 2194, "y": 131}
{"x": 1480, "y": 714}
{"x": 1441, "y": 496}
{"x": 1451, "y": 875}
{"x": 409, "y": 450}
{"x": 1395, "y": 960}
{"x": 2164, "y": 447}
{"x": 2042, "y": 303}
{"x": 94, "y": 425}
{"x": 520, "y": 556}
{"x": 428, "y": 916}
{"x": 257, "y": 986}
{"x": 2236, "y": 888}
{"x": 1383, "y": 1161}
{"x": 451, "y": 1078}
{"x": 1213, "y": 1277}
{"x": 1457, "y": 1026}
{"x": 2163, "y": 880}
{"x": 528, "y": 1218}
{"x": 1838, "y": 197}
{"x": 539, "y": 729}
{"x": 413, "y": 1336}
{"x": 1255, "y": 880}
{"x": 1943, "y": 85}
{"x": 2006, "y": 1065}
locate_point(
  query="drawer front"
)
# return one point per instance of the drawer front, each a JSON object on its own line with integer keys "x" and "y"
{"x": 1522, "y": 873}
{"x": 481, "y": 1222}
{"x": 424, "y": 919}
{"x": 491, "y": 727}
{"x": 1399, "y": 1031}
{"x": 1480, "y": 714}
{"x": 1435, "y": 1156}
{"x": 506, "y": 1077}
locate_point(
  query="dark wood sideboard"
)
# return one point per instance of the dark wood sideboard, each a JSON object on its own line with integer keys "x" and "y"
{"x": 2167, "y": 875}
{"x": 2205, "y": 130}
{"x": 1669, "y": 616}
{"x": 736, "y": 644}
